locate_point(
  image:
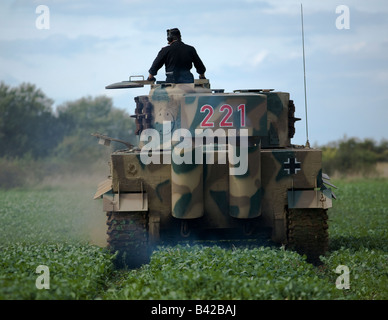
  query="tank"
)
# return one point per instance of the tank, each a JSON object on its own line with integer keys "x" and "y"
{"x": 209, "y": 164}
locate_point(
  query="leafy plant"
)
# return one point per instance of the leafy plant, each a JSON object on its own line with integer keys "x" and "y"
{"x": 199, "y": 272}
{"x": 76, "y": 271}
{"x": 53, "y": 226}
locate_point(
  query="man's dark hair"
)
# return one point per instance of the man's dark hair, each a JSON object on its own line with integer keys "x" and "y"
{"x": 173, "y": 34}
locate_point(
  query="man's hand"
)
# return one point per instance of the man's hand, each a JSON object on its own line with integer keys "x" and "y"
{"x": 151, "y": 78}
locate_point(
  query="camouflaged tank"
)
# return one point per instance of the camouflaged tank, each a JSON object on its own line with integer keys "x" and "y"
{"x": 213, "y": 164}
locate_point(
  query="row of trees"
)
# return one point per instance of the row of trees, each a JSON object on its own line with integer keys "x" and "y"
{"x": 29, "y": 127}
{"x": 353, "y": 156}
{"x": 37, "y": 141}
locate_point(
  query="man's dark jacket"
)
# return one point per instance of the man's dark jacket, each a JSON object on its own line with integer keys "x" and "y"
{"x": 178, "y": 58}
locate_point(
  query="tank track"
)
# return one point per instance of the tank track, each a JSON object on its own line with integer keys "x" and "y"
{"x": 128, "y": 236}
{"x": 308, "y": 233}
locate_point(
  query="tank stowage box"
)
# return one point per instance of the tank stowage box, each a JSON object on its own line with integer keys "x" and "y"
{"x": 211, "y": 164}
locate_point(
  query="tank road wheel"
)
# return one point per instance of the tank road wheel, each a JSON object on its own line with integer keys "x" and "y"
{"x": 308, "y": 232}
{"x": 128, "y": 234}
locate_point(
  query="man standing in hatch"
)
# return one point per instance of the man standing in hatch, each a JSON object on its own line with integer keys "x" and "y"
{"x": 178, "y": 58}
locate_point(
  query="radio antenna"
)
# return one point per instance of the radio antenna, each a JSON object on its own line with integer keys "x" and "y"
{"x": 304, "y": 77}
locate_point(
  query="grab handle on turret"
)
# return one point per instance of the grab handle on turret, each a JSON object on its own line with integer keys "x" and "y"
{"x": 105, "y": 140}
{"x": 132, "y": 83}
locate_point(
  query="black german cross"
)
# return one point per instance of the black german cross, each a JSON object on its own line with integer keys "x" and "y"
{"x": 292, "y": 166}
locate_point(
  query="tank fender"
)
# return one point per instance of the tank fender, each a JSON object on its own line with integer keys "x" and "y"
{"x": 120, "y": 202}
{"x": 299, "y": 199}
{"x": 125, "y": 202}
{"x": 103, "y": 187}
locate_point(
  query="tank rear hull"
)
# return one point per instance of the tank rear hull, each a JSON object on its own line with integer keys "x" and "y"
{"x": 218, "y": 165}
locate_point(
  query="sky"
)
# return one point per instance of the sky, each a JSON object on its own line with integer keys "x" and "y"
{"x": 77, "y": 47}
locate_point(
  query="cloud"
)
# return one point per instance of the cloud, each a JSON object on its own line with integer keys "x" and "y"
{"x": 53, "y": 45}
{"x": 350, "y": 47}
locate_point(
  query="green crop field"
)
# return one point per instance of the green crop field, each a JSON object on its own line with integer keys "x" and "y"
{"x": 62, "y": 228}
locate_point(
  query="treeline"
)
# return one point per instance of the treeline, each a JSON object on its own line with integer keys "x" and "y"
{"x": 35, "y": 137}
{"x": 29, "y": 127}
{"x": 352, "y": 156}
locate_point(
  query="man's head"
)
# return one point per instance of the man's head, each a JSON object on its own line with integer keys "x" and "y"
{"x": 173, "y": 34}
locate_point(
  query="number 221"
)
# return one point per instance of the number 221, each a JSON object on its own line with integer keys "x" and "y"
{"x": 225, "y": 122}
